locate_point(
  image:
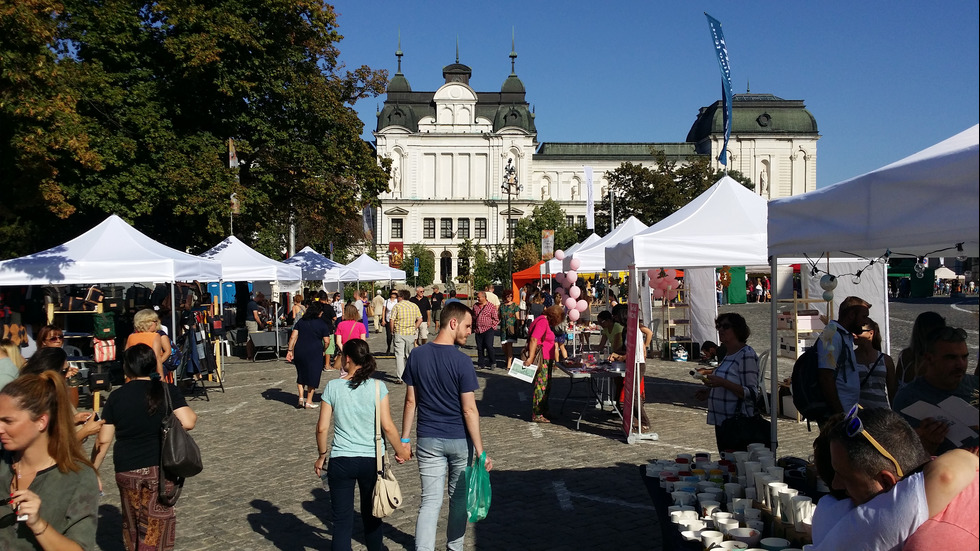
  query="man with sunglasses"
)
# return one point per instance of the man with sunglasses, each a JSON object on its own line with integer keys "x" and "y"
{"x": 837, "y": 373}
{"x": 895, "y": 494}
{"x": 945, "y": 362}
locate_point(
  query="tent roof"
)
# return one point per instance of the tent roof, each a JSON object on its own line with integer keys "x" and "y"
{"x": 725, "y": 225}
{"x": 554, "y": 265}
{"x": 529, "y": 274}
{"x": 365, "y": 268}
{"x": 239, "y": 262}
{"x": 111, "y": 252}
{"x": 919, "y": 205}
{"x": 317, "y": 267}
{"x": 592, "y": 257}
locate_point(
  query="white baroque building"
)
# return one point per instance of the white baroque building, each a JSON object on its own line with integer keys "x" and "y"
{"x": 449, "y": 149}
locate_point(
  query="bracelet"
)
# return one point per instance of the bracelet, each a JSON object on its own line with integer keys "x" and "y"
{"x": 406, "y": 440}
{"x": 43, "y": 530}
{"x": 323, "y": 453}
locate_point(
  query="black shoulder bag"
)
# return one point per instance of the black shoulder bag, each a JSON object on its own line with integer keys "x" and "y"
{"x": 180, "y": 457}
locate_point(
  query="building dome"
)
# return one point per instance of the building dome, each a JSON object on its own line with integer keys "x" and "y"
{"x": 755, "y": 114}
{"x": 399, "y": 83}
{"x": 512, "y": 85}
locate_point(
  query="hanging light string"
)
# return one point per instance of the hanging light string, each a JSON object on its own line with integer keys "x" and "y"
{"x": 919, "y": 260}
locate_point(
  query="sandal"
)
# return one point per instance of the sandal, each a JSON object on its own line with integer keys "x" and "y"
{"x": 310, "y": 405}
{"x": 540, "y": 419}
{"x": 302, "y": 404}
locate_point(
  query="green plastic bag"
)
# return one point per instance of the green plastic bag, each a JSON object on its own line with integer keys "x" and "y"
{"x": 331, "y": 347}
{"x": 478, "y": 489}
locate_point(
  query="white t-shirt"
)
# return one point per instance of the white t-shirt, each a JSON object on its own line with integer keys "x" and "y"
{"x": 883, "y": 523}
{"x": 832, "y": 341}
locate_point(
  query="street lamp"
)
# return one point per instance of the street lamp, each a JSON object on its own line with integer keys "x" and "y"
{"x": 511, "y": 187}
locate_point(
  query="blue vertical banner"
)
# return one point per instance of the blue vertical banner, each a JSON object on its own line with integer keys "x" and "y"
{"x": 726, "y": 82}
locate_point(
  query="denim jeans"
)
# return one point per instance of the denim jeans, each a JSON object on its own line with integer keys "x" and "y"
{"x": 484, "y": 348}
{"x": 342, "y": 473}
{"x": 436, "y": 456}
{"x": 403, "y": 346}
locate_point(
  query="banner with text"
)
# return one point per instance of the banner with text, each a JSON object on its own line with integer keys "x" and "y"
{"x": 547, "y": 244}
{"x": 589, "y": 199}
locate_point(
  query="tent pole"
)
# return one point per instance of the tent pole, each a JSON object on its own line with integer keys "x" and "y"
{"x": 173, "y": 311}
{"x": 774, "y": 352}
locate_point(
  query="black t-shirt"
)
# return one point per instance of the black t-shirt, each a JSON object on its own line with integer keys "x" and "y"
{"x": 251, "y": 308}
{"x": 137, "y": 432}
{"x": 424, "y": 307}
{"x": 437, "y": 299}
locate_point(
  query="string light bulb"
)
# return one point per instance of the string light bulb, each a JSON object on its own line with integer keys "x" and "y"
{"x": 959, "y": 253}
{"x": 856, "y": 278}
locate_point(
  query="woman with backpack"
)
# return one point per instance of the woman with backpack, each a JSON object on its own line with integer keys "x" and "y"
{"x": 133, "y": 415}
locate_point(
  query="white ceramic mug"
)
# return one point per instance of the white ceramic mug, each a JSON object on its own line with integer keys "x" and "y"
{"x": 775, "y": 472}
{"x": 759, "y": 525}
{"x": 773, "y": 500}
{"x": 725, "y": 525}
{"x": 732, "y": 544}
{"x": 749, "y": 536}
{"x": 682, "y": 498}
{"x": 691, "y": 535}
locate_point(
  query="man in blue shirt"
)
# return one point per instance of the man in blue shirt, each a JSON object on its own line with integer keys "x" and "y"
{"x": 441, "y": 384}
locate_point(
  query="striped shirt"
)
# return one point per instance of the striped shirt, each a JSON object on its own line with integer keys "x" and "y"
{"x": 404, "y": 317}
{"x": 874, "y": 390}
{"x": 741, "y": 367}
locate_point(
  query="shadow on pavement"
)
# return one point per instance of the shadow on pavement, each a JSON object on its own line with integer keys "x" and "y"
{"x": 108, "y": 535}
{"x": 284, "y": 530}
{"x": 279, "y": 395}
{"x": 567, "y": 509}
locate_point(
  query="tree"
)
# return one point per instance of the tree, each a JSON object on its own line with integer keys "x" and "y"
{"x": 525, "y": 256}
{"x": 652, "y": 194}
{"x": 464, "y": 254}
{"x": 165, "y": 85}
{"x": 547, "y": 216}
{"x": 427, "y": 264}
{"x": 482, "y": 271}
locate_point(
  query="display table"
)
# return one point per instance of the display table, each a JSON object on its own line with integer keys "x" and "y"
{"x": 602, "y": 387}
{"x": 264, "y": 343}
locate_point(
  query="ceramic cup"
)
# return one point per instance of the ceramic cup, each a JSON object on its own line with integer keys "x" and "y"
{"x": 776, "y": 472}
{"x": 711, "y": 538}
{"x": 691, "y": 535}
{"x": 708, "y": 507}
{"x": 786, "y": 505}
{"x": 691, "y": 524}
{"x": 773, "y": 498}
{"x": 732, "y": 544}
{"x": 759, "y": 525}
{"x": 733, "y": 490}
{"x": 802, "y": 507}
{"x": 725, "y": 525}
{"x": 774, "y": 544}
{"x": 751, "y": 513}
{"x": 682, "y": 498}
{"x": 749, "y": 536}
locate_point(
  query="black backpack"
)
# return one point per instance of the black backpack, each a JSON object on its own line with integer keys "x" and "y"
{"x": 807, "y": 395}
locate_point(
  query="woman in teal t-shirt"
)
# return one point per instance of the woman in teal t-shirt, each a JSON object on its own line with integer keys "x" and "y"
{"x": 349, "y": 403}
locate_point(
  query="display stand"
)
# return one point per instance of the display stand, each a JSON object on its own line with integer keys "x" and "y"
{"x": 797, "y": 331}
{"x": 676, "y": 323}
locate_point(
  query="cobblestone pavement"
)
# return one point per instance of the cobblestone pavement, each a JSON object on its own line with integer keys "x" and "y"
{"x": 554, "y": 487}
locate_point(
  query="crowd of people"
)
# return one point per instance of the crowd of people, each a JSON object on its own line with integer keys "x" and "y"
{"x": 891, "y": 476}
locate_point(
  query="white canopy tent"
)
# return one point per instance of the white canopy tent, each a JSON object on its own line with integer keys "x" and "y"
{"x": 725, "y": 225}
{"x": 317, "y": 267}
{"x": 554, "y": 265}
{"x": 365, "y": 268}
{"x": 239, "y": 262}
{"x": 111, "y": 252}
{"x": 924, "y": 204}
{"x": 592, "y": 258}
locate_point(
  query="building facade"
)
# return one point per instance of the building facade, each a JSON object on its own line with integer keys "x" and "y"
{"x": 450, "y": 148}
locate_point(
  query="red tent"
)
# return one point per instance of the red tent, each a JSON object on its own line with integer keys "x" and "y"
{"x": 523, "y": 277}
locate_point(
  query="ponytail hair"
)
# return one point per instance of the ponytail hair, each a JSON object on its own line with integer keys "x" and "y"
{"x": 46, "y": 393}
{"x": 357, "y": 351}
{"x": 139, "y": 360}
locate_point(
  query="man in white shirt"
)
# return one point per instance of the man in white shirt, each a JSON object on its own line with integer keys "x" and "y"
{"x": 838, "y": 376}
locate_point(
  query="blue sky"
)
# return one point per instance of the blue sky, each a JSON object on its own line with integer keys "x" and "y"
{"x": 883, "y": 80}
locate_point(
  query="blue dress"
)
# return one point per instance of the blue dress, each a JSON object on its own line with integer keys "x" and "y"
{"x": 308, "y": 354}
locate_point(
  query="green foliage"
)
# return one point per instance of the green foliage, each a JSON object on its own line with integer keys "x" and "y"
{"x": 127, "y": 107}
{"x": 654, "y": 194}
{"x": 525, "y": 256}
{"x": 548, "y": 216}
{"x": 482, "y": 269}
{"x": 427, "y": 265}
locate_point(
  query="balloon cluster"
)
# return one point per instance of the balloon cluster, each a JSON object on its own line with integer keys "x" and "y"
{"x": 570, "y": 292}
{"x": 663, "y": 282}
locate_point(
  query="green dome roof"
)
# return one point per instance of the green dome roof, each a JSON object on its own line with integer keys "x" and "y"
{"x": 512, "y": 85}
{"x": 399, "y": 83}
{"x": 755, "y": 114}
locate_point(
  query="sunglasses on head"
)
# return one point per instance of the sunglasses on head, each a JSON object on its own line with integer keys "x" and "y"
{"x": 853, "y": 426}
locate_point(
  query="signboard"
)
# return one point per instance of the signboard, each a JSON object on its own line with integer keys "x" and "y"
{"x": 396, "y": 253}
{"x": 416, "y": 266}
{"x": 547, "y": 244}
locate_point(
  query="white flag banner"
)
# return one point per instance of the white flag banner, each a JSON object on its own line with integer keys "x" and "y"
{"x": 589, "y": 200}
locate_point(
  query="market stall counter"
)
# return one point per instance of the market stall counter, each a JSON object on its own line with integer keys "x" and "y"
{"x": 603, "y": 378}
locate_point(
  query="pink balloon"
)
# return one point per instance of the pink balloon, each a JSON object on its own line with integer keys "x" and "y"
{"x": 663, "y": 283}
{"x": 575, "y": 263}
{"x": 653, "y": 273}
{"x": 573, "y": 315}
{"x": 671, "y": 273}
{"x": 574, "y": 292}
{"x": 653, "y": 283}
{"x": 560, "y": 291}
{"x": 658, "y": 293}
{"x": 671, "y": 294}
{"x": 570, "y": 303}
{"x": 560, "y": 254}
{"x": 581, "y": 306}
{"x": 570, "y": 275}
{"x": 560, "y": 278}
{"x": 569, "y": 283}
